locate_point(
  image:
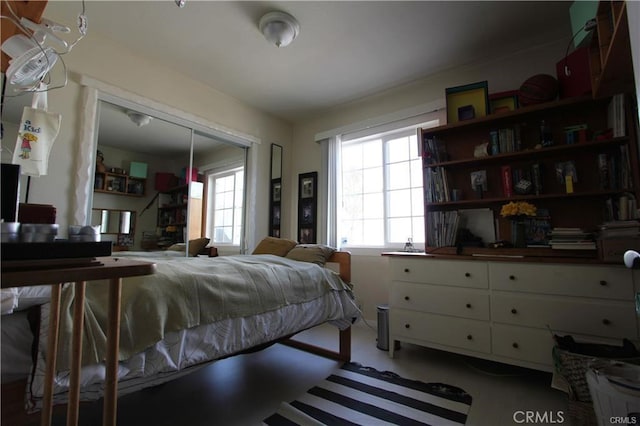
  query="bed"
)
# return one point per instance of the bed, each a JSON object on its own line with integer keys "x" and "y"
{"x": 227, "y": 305}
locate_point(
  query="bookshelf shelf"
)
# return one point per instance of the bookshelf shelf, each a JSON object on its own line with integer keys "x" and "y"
{"x": 540, "y": 153}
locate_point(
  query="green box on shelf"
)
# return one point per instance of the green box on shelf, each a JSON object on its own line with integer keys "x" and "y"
{"x": 138, "y": 170}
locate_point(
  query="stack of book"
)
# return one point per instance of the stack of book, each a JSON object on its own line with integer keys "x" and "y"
{"x": 442, "y": 228}
{"x": 571, "y": 239}
{"x": 619, "y": 229}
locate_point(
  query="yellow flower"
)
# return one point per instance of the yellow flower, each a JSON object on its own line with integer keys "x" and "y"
{"x": 519, "y": 208}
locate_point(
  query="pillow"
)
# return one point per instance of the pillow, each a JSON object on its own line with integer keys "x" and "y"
{"x": 276, "y": 246}
{"x": 195, "y": 246}
{"x": 314, "y": 253}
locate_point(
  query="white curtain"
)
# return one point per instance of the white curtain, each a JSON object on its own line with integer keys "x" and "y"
{"x": 329, "y": 187}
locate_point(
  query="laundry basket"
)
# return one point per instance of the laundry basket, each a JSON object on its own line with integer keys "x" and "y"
{"x": 615, "y": 391}
{"x": 572, "y": 361}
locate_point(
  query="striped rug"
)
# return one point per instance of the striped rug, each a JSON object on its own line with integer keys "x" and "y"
{"x": 357, "y": 395}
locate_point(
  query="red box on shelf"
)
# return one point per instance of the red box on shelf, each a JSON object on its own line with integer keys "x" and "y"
{"x": 165, "y": 181}
{"x": 574, "y": 74}
{"x": 36, "y": 213}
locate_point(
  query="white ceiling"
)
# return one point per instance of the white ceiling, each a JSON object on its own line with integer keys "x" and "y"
{"x": 345, "y": 50}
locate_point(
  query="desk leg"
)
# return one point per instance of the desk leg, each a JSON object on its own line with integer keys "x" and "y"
{"x": 76, "y": 353}
{"x": 52, "y": 351}
{"x": 113, "y": 341}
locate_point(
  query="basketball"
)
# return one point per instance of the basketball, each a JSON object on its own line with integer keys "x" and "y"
{"x": 537, "y": 89}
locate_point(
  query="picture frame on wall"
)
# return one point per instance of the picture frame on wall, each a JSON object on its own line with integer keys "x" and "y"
{"x": 307, "y": 207}
{"x": 275, "y": 207}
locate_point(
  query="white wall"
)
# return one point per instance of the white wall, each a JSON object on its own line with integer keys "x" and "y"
{"x": 104, "y": 60}
{"x": 370, "y": 269}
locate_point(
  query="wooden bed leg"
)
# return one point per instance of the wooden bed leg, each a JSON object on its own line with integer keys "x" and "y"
{"x": 345, "y": 344}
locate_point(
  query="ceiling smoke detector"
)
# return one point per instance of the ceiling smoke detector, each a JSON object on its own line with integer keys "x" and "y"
{"x": 279, "y": 28}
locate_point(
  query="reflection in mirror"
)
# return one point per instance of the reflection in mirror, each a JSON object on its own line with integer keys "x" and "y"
{"x": 117, "y": 226}
{"x": 275, "y": 191}
{"x": 114, "y": 221}
{"x": 223, "y": 171}
{"x": 170, "y": 187}
{"x": 276, "y": 161}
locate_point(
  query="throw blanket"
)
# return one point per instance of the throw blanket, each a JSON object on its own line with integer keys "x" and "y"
{"x": 187, "y": 292}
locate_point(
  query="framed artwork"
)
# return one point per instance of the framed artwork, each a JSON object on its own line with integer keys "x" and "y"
{"x": 275, "y": 207}
{"x": 467, "y": 102}
{"x": 307, "y": 207}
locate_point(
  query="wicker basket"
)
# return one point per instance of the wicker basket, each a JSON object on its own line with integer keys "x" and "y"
{"x": 582, "y": 413}
{"x": 574, "y": 366}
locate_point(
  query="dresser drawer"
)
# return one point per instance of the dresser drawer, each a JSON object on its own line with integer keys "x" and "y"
{"x": 604, "y": 282}
{"x": 562, "y": 314}
{"x": 444, "y": 330}
{"x": 528, "y": 344}
{"x": 455, "y": 301}
{"x": 443, "y": 272}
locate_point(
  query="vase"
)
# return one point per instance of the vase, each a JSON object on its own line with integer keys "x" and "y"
{"x": 518, "y": 233}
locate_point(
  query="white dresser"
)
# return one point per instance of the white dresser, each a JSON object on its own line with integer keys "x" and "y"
{"x": 508, "y": 311}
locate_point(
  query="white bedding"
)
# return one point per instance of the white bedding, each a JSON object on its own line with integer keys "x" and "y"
{"x": 182, "y": 351}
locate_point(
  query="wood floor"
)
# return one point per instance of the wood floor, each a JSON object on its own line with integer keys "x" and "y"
{"x": 245, "y": 389}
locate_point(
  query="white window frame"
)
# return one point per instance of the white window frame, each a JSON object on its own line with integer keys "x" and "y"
{"x": 384, "y": 137}
{"x": 428, "y": 115}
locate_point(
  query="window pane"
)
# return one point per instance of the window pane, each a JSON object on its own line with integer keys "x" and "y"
{"x": 351, "y": 156}
{"x": 397, "y": 150}
{"x": 352, "y": 182}
{"x": 373, "y": 180}
{"x": 417, "y": 204}
{"x": 399, "y": 176}
{"x": 400, "y": 203}
{"x": 373, "y": 232}
{"x": 373, "y": 206}
{"x": 372, "y": 153}
{"x": 418, "y": 229}
{"x": 400, "y": 230}
{"x": 416, "y": 172}
{"x": 352, "y": 207}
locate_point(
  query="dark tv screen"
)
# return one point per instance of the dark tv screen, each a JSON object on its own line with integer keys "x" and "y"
{"x": 10, "y": 186}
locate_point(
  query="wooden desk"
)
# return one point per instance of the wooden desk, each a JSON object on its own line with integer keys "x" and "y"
{"x": 25, "y": 273}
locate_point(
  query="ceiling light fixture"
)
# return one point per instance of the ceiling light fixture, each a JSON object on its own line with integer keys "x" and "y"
{"x": 139, "y": 118}
{"x": 279, "y": 28}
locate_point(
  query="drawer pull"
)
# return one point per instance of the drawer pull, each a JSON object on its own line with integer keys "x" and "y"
{"x": 512, "y": 277}
{"x": 514, "y": 311}
{"x": 407, "y": 326}
{"x": 406, "y": 298}
{"x": 466, "y": 274}
{"x": 606, "y": 322}
{"x": 469, "y": 305}
{"x": 469, "y": 337}
{"x": 407, "y": 270}
{"x": 515, "y": 345}
{"x": 603, "y": 283}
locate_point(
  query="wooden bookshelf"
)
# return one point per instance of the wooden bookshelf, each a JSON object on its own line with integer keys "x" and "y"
{"x": 585, "y": 207}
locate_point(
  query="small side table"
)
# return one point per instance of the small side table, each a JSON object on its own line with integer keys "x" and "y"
{"x": 26, "y": 273}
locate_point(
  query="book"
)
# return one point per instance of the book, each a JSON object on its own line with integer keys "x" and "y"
{"x": 507, "y": 181}
{"x": 536, "y": 177}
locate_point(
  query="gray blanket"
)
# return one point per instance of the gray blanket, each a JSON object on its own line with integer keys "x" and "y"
{"x": 187, "y": 292}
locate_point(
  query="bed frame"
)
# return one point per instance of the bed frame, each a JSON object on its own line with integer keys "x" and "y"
{"x": 12, "y": 407}
{"x": 343, "y": 260}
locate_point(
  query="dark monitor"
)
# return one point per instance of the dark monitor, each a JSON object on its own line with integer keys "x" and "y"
{"x": 10, "y": 185}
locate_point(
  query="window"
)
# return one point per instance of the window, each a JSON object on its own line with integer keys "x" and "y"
{"x": 225, "y": 202}
{"x": 381, "y": 197}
